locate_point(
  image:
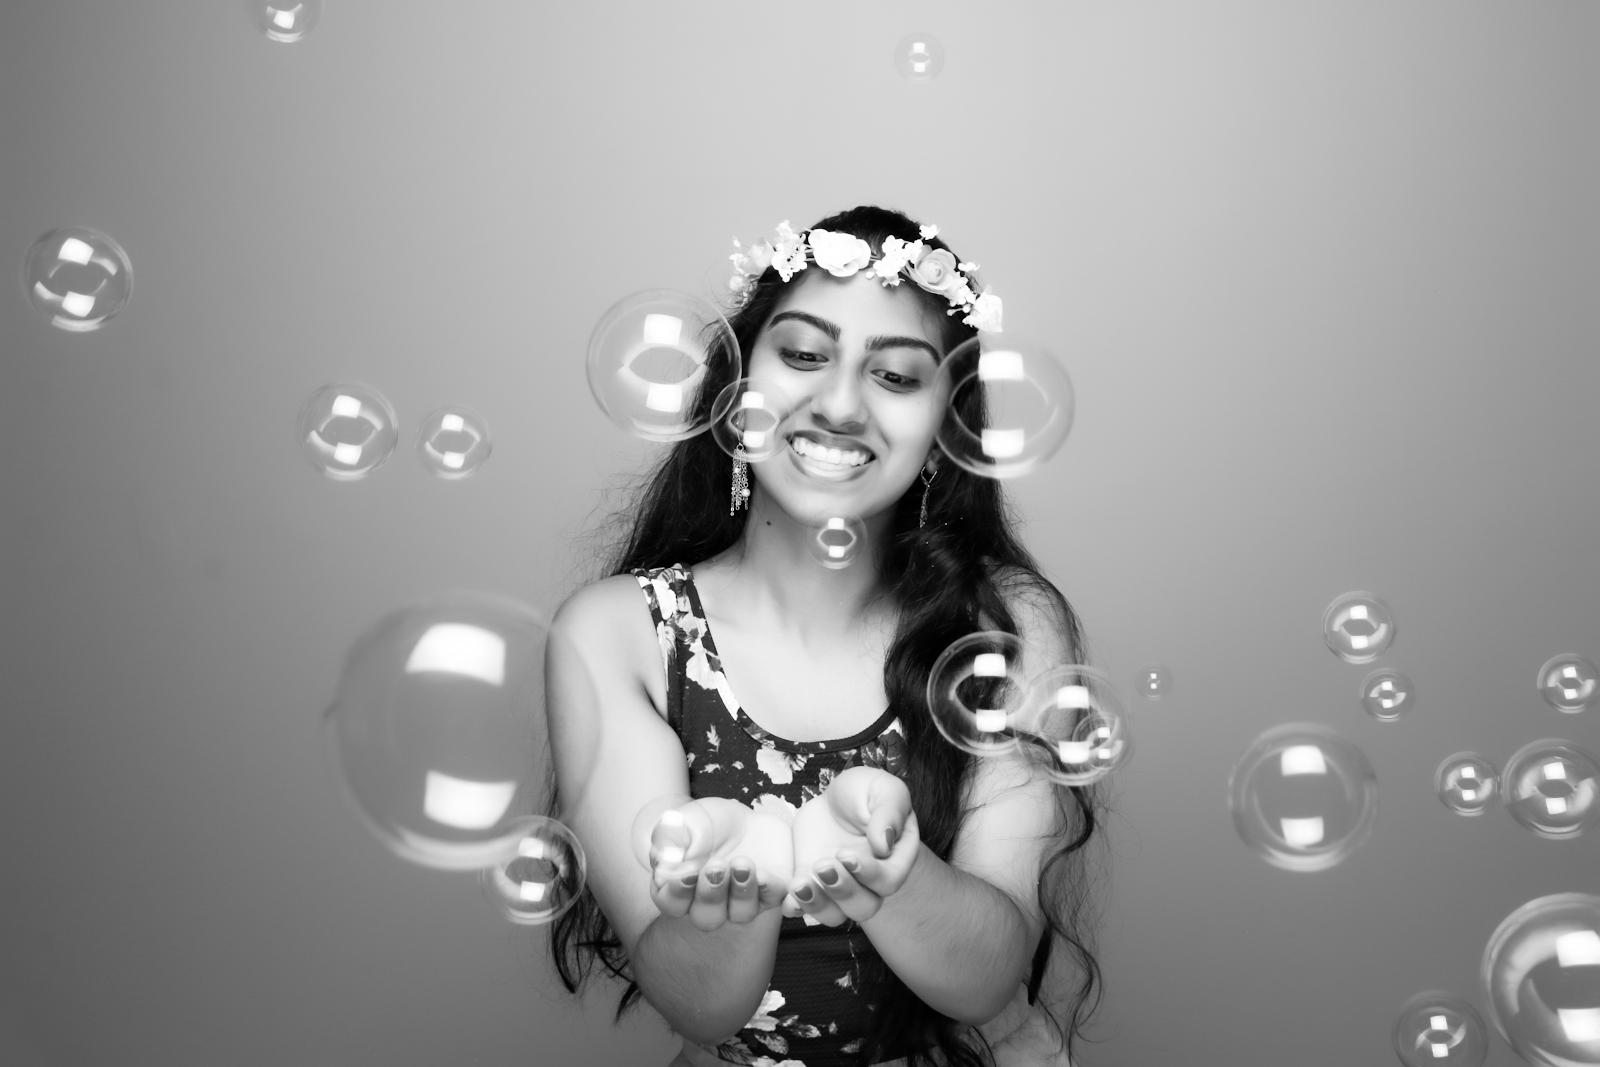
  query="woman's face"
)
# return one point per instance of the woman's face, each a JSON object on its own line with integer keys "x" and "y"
{"x": 857, "y": 359}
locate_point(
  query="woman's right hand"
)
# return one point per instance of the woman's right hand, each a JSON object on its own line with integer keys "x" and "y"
{"x": 717, "y": 861}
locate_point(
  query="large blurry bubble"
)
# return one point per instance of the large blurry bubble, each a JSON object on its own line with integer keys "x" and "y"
{"x": 77, "y": 277}
{"x": 1569, "y": 683}
{"x": 1358, "y": 627}
{"x": 1303, "y": 797}
{"x": 1541, "y": 971}
{"x": 1466, "y": 783}
{"x": 438, "y": 730}
{"x": 1440, "y": 1028}
{"x": 346, "y": 430}
{"x": 650, "y": 357}
{"x": 1010, "y": 408}
{"x": 976, "y": 692}
{"x": 542, "y": 877}
{"x": 748, "y": 419}
{"x": 453, "y": 442}
{"x": 1552, "y": 787}
{"x": 919, "y": 57}
{"x": 1074, "y": 725}
{"x": 285, "y": 21}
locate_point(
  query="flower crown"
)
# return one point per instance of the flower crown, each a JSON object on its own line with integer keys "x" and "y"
{"x": 842, "y": 254}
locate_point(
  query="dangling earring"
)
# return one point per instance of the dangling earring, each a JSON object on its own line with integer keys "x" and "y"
{"x": 741, "y": 481}
{"x": 927, "y": 484}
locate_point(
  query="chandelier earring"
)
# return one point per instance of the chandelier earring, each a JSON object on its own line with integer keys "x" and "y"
{"x": 927, "y": 485}
{"x": 740, "y": 498}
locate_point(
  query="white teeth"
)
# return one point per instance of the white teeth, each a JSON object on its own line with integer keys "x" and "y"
{"x": 837, "y": 457}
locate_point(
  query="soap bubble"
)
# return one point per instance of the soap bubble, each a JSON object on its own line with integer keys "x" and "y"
{"x": 838, "y": 541}
{"x": 1358, "y": 627}
{"x": 1010, "y": 407}
{"x": 437, "y": 730}
{"x": 1303, "y": 797}
{"x": 651, "y": 356}
{"x": 1467, "y": 783}
{"x": 285, "y": 21}
{"x": 1153, "y": 681}
{"x": 1387, "y": 695}
{"x": 1440, "y": 1028}
{"x": 453, "y": 441}
{"x": 1569, "y": 683}
{"x": 1074, "y": 722}
{"x": 77, "y": 277}
{"x": 1551, "y": 786}
{"x": 919, "y": 57}
{"x": 542, "y": 877}
{"x": 1541, "y": 970}
{"x": 748, "y": 418}
{"x": 347, "y": 430}
{"x": 976, "y": 690}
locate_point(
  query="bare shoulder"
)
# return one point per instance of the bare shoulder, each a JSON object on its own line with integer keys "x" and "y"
{"x": 607, "y": 624}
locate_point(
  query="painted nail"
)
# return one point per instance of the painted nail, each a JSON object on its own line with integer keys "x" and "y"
{"x": 803, "y": 894}
{"x": 851, "y": 865}
{"x": 889, "y": 838}
{"x": 829, "y": 875}
{"x": 689, "y": 880}
{"x": 716, "y": 877}
{"x": 741, "y": 875}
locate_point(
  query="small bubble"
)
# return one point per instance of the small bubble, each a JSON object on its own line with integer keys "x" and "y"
{"x": 651, "y": 358}
{"x": 1387, "y": 694}
{"x": 542, "y": 878}
{"x": 1358, "y": 627}
{"x": 1010, "y": 407}
{"x": 1303, "y": 797}
{"x": 1467, "y": 783}
{"x": 838, "y": 541}
{"x": 285, "y": 21}
{"x": 1153, "y": 681}
{"x": 1552, "y": 787}
{"x": 346, "y": 430}
{"x": 1440, "y": 1028}
{"x": 1569, "y": 683}
{"x": 749, "y": 418}
{"x": 453, "y": 442}
{"x": 919, "y": 57}
{"x": 78, "y": 278}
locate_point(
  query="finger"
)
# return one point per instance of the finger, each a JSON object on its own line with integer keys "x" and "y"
{"x": 773, "y": 891}
{"x": 885, "y": 828}
{"x": 744, "y": 902}
{"x": 817, "y": 904}
{"x": 710, "y": 907}
{"x": 674, "y": 896}
{"x": 853, "y": 900}
{"x": 679, "y": 842}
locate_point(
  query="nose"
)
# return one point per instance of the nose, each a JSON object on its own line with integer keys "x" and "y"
{"x": 838, "y": 404}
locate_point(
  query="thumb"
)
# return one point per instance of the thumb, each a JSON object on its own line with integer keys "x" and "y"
{"x": 890, "y": 808}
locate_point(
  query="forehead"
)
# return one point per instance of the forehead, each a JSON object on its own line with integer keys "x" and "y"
{"x": 860, "y": 305}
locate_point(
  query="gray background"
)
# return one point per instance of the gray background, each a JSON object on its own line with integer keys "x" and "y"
{"x": 1323, "y": 273}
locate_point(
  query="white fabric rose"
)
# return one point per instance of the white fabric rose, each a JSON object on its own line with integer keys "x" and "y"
{"x": 840, "y": 254}
{"x": 929, "y": 232}
{"x": 896, "y": 254}
{"x": 936, "y": 271}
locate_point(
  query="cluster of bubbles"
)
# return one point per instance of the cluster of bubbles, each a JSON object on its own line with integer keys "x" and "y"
{"x": 436, "y": 732}
{"x": 1068, "y": 719}
{"x": 346, "y": 431}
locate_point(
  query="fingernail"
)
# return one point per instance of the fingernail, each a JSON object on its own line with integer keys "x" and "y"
{"x": 741, "y": 875}
{"x": 829, "y": 875}
{"x": 689, "y": 880}
{"x": 803, "y": 894}
{"x": 716, "y": 877}
{"x": 851, "y": 865}
{"x": 889, "y": 837}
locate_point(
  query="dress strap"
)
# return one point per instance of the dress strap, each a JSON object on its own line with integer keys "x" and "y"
{"x": 663, "y": 590}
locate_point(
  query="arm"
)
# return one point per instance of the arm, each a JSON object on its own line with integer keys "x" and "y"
{"x": 614, "y": 754}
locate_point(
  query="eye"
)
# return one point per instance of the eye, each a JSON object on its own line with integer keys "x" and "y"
{"x": 802, "y": 358}
{"x": 900, "y": 383}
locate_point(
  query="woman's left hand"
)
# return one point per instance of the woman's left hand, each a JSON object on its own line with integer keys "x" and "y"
{"x": 863, "y": 820}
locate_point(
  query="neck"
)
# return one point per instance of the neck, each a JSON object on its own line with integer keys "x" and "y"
{"x": 776, "y": 572}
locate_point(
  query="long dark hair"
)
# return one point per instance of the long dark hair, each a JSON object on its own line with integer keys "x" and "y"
{"x": 950, "y": 578}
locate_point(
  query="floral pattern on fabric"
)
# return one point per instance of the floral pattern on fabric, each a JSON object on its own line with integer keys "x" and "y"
{"x": 818, "y": 1004}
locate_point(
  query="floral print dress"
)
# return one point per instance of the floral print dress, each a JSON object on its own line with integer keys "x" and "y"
{"x": 818, "y": 1004}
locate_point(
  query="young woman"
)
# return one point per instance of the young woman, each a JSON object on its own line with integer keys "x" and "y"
{"x": 809, "y": 873}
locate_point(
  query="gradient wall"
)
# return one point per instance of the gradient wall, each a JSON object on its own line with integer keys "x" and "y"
{"x": 1324, "y": 275}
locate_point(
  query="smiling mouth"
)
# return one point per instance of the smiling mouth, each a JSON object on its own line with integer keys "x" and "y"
{"x": 822, "y": 459}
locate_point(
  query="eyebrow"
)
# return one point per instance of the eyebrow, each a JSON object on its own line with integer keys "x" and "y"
{"x": 874, "y": 344}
